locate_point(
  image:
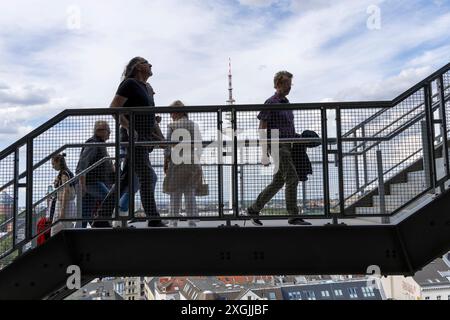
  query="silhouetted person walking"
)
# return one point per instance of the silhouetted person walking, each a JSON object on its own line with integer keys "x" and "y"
{"x": 283, "y": 121}
{"x": 134, "y": 91}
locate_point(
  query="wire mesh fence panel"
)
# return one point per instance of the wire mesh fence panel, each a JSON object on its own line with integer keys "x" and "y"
{"x": 360, "y": 162}
{"x": 293, "y": 182}
{"x": 6, "y": 204}
{"x": 446, "y": 81}
{"x": 74, "y": 145}
{"x": 183, "y": 177}
{"x": 398, "y": 161}
{"x": 351, "y": 121}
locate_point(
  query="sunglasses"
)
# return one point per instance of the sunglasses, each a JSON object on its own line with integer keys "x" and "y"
{"x": 146, "y": 62}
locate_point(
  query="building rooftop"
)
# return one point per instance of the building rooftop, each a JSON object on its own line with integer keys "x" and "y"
{"x": 268, "y": 293}
{"x": 437, "y": 273}
{"x": 6, "y": 199}
{"x": 100, "y": 290}
{"x": 342, "y": 290}
{"x": 170, "y": 285}
{"x": 199, "y": 288}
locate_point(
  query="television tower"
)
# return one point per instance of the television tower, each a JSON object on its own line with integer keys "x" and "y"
{"x": 230, "y": 100}
{"x": 228, "y": 131}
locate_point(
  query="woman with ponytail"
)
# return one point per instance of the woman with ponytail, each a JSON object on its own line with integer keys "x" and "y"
{"x": 65, "y": 198}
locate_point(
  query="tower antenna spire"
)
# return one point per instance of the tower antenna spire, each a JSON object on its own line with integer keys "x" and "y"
{"x": 230, "y": 100}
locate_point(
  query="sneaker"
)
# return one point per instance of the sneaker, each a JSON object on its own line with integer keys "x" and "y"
{"x": 123, "y": 213}
{"x": 298, "y": 222}
{"x": 192, "y": 223}
{"x": 117, "y": 224}
{"x": 156, "y": 224}
{"x": 134, "y": 220}
{"x": 253, "y": 213}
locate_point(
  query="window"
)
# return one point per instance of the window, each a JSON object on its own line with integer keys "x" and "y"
{"x": 338, "y": 293}
{"x": 449, "y": 297}
{"x": 292, "y": 296}
{"x": 310, "y": 295}
{"x": 368, "y": 292}
{"x": 438, "y": 297}
{"x": 353, "y": 293}
{"x": 427, "y": 298}
{"x": 272, "y": 296}
{"x": 325, "y": 294}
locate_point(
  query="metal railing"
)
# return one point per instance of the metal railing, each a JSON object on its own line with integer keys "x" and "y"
{"x": 384, "y": 138}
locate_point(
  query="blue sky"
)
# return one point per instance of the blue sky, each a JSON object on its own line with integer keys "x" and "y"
{"x": 53, "y": 58}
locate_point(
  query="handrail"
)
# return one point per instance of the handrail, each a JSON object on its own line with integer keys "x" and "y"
{"x": 204, "y": 143}
{"x": 87, "y": 170}
{"x": 192, "y": 109}
{"x": 435, "y": 106}
{"x": 402, "y": 97}
{"x": 321, "y": 107}
{"x": 384, "y": 173}
{"x": 225, "y": 108}
{"x": 394, "y": 133}
{"x": 145, "y": 143}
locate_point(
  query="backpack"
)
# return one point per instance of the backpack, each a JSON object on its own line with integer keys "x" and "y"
{"x": 44, "y": 224}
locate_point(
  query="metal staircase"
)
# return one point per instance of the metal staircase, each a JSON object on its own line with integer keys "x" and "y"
{"x": 378, "y": 196}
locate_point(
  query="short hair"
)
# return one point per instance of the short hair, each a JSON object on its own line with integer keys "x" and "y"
{"x": 100, "y": 123}
{"x": 178, "y": 103}
{"x": 280, "y": 76}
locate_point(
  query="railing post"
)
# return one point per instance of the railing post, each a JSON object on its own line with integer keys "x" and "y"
{"x": 340, "y": 167}
{"x": 117, "y": 169}
{"x": 304, "y": 196}
{"x": 355, "y": 144}
{"x": 241, "y": 174}
{"x": 131, "y": 164}
{"x": 15, "y": 195}
{"x": 430, "y": 136}
{"x": 381, "y": 190}
{"x": 426, "y": 155}
{"x": 234, "y": 165}
{"x": 443, "y": 116}
{"x": 220, "y": 160}
{"x": 366, "y": 178}
{"x": 29, "y": 192}
{"x": 325, "y": 177}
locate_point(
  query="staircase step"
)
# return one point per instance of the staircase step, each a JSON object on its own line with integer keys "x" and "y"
{"x": 392, "y": 202}
{"x": 407, "y": 188}
{"x": 416, "y": 176}
{"x": 369, "y": 210}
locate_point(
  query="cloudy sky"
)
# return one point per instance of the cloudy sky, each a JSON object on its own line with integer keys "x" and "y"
{"x": 70, "y": 54}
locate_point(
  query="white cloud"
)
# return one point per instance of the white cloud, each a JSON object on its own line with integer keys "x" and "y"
{"x": 324, "y": 43}
{"x": 387, "y": 88}
{"x": 257, "y": 3}
{"x": 27, "y": 95}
